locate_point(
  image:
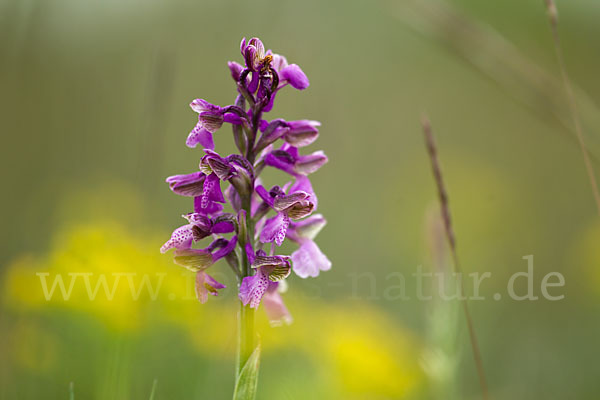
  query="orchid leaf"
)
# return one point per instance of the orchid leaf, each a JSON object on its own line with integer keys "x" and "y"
{"x": 245, "y": 386}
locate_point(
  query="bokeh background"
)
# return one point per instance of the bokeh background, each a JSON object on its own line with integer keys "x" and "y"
{"x": 94, "y": 115}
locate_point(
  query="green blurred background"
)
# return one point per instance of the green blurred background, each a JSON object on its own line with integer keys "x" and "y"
{"x": 94, "y": 115}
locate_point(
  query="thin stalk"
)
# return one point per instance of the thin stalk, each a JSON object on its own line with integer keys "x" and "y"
{"x": 246, "y": 313}
{"x": 445, "y": 210}
{"x": 245, "y": 336}
{"x": 553, "y": 17}
{"x": 153, "y": 392}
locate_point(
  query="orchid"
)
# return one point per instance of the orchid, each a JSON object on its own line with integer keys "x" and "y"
{"x": 261, "y": 220}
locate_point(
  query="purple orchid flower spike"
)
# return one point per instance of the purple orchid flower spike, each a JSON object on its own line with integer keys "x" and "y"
{"x": 260, "y": 216}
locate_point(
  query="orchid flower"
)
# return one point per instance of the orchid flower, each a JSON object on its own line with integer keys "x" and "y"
{"x": 259, "y": 216}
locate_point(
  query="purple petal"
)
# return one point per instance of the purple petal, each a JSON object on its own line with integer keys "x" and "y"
{"x": 302, "y": 133}
{"x": 308, "y": 260}
{"x": 233, "y": 197}
{"x": 272, "y": 131}
{"x": 254, "y": 52}
{"x": 263, "y": 124}
{"x": 253, "y": 288}
{"x": 281, "y": 163}
{"x": 283, "y": 202}
{"x": 262, "y": 192}
{"x": 211, "y": 121}
{"x": 187, "y": 185}
{"x": 249, "y": 252}
{"x": 269, "y": 105}
{"x": 275, "y": 229}
{"x": 211, "y": 191}
{"x": 303, "y": 124}
{"x": 201, "y": 291}
{"x": 201, "y": 105}
{"x": 300, "y": 210}
{"x": 232, "y": 118}
{"x": 307, "y": 228}
{"x": 302, "y": 184}
{"x": 279, "y": 62}
{"x": 200, "y": 135}
{"x": 214, "y": 283}
{"x": 217, "y": 255}
{"x": 181, "y": 238}
{"x": 295, "y": 76}
{"x": 310, "y": 163}
{"x": 212, "y": 207}
{"x": 254, "y": 82}
{"x": 236, "y": 70}
{"x": 199, "y": 220}
{"x": 205, "y": 285}
{"x": 250, "y": 57}
{"x": 193, "y": 259}
{"x": 223, "y": 227}
{"x": 276, "y": 310}
{"x": 218, "y": 165}
{"x": 258, "y": 44}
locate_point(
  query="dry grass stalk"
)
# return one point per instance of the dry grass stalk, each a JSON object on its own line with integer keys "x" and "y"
{"x": 445, "y": 210}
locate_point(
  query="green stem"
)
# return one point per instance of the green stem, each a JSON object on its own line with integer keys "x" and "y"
{"x": 245, "y": 335}
{"x": 246, "y": 314}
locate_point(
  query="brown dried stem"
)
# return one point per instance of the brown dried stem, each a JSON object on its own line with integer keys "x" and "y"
{"x": 445, "y": 210}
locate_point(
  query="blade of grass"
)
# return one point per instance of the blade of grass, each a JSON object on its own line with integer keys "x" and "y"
{"x": 153, "y": 392}
{"x": 445, "y": 210}
{"x": 440, "y": 359}
{"x": 570, "y": 93}
{"x": 247, "y": 380}
{"x": 71, "y": 391}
